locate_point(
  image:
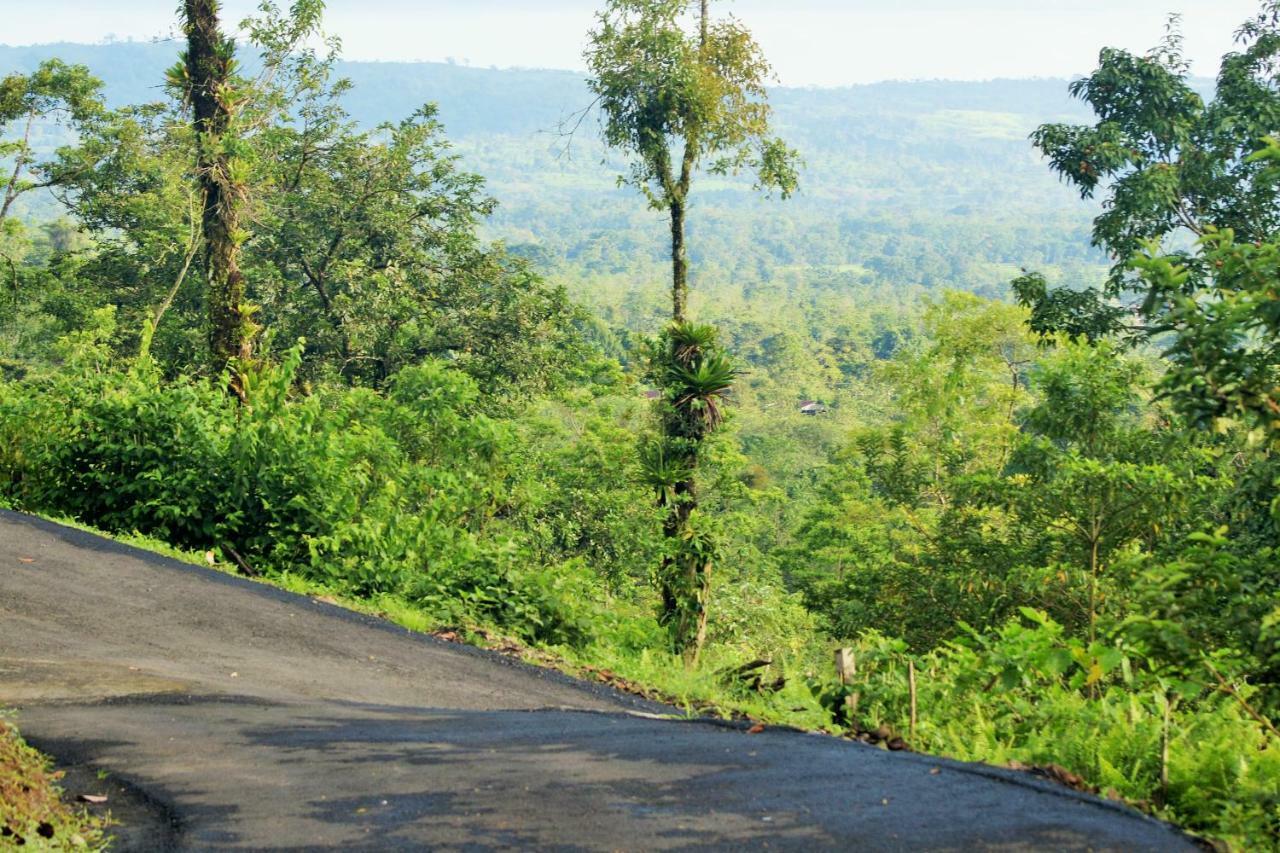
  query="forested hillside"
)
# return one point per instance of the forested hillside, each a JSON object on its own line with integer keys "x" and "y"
{"x": 941, "y": 168}
{"x": 980, "y": 381}
{"x": 910, "y": 189}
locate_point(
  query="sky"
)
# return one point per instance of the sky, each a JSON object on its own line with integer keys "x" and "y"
{"x": 809, "y": 42}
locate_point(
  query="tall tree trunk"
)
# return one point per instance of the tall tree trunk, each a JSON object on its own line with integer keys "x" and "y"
{"x": 693, "y": 628}
{"x": 685, "y": 576}
{"x": 686, "y": 571}
{"x": 677, "y": 519}
{"x": 208, "y": 62}
{"x": 675, "y": 587}
{"x": 679, "y": 264}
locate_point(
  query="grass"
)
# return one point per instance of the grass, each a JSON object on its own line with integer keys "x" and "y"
{"x": 33, "y": 813}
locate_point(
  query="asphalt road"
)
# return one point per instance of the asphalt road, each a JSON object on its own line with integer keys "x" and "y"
{"x": 217, "y": 713}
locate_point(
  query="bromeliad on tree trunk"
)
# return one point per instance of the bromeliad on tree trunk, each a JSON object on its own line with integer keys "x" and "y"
{"x": 695, "y": 377}
{"x": 680, "y": 98}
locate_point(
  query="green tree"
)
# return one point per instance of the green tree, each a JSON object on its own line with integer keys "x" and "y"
{"x": 1190, "y": 219}
{"x": 381, "y": 229}
{"x": 54, "y": 94}
{"x": 1224, "y": 350}
{"x": 365, "y": 242}
{"x": 1171, "y": 165}
{"x": 892, "y": 537}
{"x": 675, "y": 99}
{"x": 1090, "y": 475}
{"x": 224, "y": 109}
{"x": 54, "y": 91}
{"x": 129, "y": 187}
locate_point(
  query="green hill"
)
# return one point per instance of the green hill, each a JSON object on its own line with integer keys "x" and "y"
{"x": 908, "y": 188}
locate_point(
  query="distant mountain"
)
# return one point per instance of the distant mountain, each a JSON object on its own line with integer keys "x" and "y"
{"x": 517, "y": 101}
{"x": 472, "y": 100}
{"x": 909, "y": 184}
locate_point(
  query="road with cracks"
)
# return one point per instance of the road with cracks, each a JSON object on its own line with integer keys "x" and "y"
{"x": 218, "y": 713}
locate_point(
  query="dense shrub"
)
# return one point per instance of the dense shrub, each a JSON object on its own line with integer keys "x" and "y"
{"x": 1031, "y": 693}
{"x": 369, "y": 493}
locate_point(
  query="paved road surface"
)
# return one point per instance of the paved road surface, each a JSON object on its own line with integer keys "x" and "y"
{"x": 228, "y": 714}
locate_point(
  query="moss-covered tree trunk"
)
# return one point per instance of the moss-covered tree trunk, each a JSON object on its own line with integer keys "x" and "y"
{"x": 679, "y": 264}
{"x": 209, "y": 60}
{"x": 686, "y": 572}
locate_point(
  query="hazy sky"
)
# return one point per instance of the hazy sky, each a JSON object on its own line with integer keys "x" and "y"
{"x": 810, "y": 42}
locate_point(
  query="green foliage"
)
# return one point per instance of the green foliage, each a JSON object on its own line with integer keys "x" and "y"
{"x": 381, "y": 227}
{"x": 910, "y": 187}
{"x": 890, "y": 538}
{"x": 55, "y": 92}
{"x": 1030, "y": 692}
{"x": 32, "y": 812}
{"x": 1176, "y": 168}
{"x": 578, "y": 493}
{"x": 663, "y": 470}
{"x": 1049, "y": 533}
{"x": 1078, "y": 314}
{"x": 673, "y": 100}
{"x": 693, "y": 376}
{"x": 1224, "y": 347}
{"x": 658, "y": 86}
{"x": 368, "y": 493}
{"x": 700, "y": 385}
{"x": 1209, "y": 606}
{"x": 366, "y": 242}
{"x": 1085, "y": 517}
{"x": 1168, "y": 160}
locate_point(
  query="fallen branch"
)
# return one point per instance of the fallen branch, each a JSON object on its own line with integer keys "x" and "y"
{"x": 1229, "y": 689}
{"x": 241, "y": 563}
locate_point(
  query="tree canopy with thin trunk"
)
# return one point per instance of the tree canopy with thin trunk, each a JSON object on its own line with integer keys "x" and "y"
{"x": 679, "y": 91}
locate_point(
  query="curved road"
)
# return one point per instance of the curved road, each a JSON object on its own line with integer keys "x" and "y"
{"x": 227, "y": 714}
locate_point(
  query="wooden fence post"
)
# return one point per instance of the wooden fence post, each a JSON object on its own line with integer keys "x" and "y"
{"x": 911, "y": 683}
{"x": 846, "y": 665}
{"x": 846, "y": 669}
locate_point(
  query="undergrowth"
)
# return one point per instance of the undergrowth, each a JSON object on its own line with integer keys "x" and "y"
{"x": 33, "y": 814}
